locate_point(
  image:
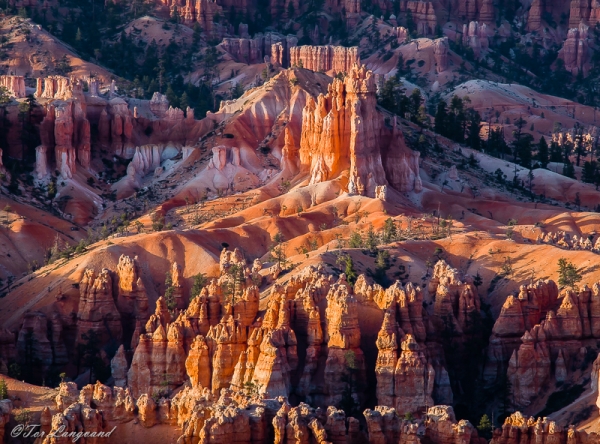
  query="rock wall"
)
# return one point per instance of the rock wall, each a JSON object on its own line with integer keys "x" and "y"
{"x": 545, "y": 343}
{"x": 254, "y": 50}
{"x": 97, "y": 311}
{"x": 475, "y": 36}
{"x": 15, "y": 85}
{"x": 576, "y": 52}
{"x": 339, "y": 132}
{"x": 423, "y": 14}
{"x": 522, "y": 430}
{"x": 324, "y": 58}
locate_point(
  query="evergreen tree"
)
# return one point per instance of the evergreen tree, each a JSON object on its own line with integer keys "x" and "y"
{"x": 542, "y": 152}
{"x": 555, "y": 152}
{"x": 569, "y": 169}
{"x": 590, "y": 171}
{"x": 523, "y": 148}
{"x": 200, "y": 282}
{"x": 346, "y": 261}
{"x": 278, "y": 250}
{"x": 457, "y": 120}
{"x": 441, "y": 118}
{"x": 568, "y": 274}
{"x": 496, "y": 144}
{"x": 473, "y": 129}
{"x": 3, "y": 389}
{"x": 485, "y": 427}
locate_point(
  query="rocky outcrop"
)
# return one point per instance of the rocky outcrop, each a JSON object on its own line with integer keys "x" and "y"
{"x": 522, "y": 430}
{"x": 518, "y": 314}
{"x": 93, "y": 411}
{"x": 441, "y": 48}
{"x": 63, "y": 135}
{"x": 58, "y": 88}
{"x": 325, "y": 58}
{"x": 132, "y": 297}
{"x": 423, "y": 14}
{"x": 15, "y": 85}
{"x": 405, "y": 382}
{"x": 534, "y": 17}
{"x": 158, "y": 364}
{"x": 456, "y": 300}
{"x": 254, "y": 50}
{"x": 444, "y": 428}
{"x": 487, "y": 14}
{"x": 33, "y": 343}
{"x": 345, "y": 365}
{"x": 401, "y": 164}
{"x": 197, "y": 363}
{"x": 97, "y": 311}
{"x": 576, "y": 52}
{"x": 65, "y": 131}
{"x": 579, "y": 12}
{"x": 385, "y": 425}
{"x": 118, "y": 366}
{"x": 529, "y": 369}
{"x": 340, "y": 134}
{"x": 475, "y": 36}
{"x": 467, "y": 10}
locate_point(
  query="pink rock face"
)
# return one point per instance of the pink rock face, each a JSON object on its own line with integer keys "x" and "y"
{"x": 534, "y": 18}
{"x": 33, "y": 335}
{"x": 325, "y": 58}
{"x": 197, "y": 363}
{"x": 132, "y": 298}
{"x": 63, "y": 136}
{"x": 158, "y": 364}
{"x": 467, "y": 10}
{"x": 476, "y": 37}
{"x": 529, "y": 369}
{"x": 576, "y": 51}
{"x": 118, "y": 367}
{"x": 254, "y": 50}
{"x": 340, "y": 134}
{"x": 15, "y": 85}
{"x": 523, "y": 430}
{"x": 97, "y": 310}
{"x": 58, "y": 87}
{"x": 518, "y": 315}
{"x": 423, "y": 14}
{"x": 579, "y": 12}
{"x": 486, "y": 13}
{"x": 196, "y": 11}
{"x": 343, "y": 341}
{"x": 440, "y": 50}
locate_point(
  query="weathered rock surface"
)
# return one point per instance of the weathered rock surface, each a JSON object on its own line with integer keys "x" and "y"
{"x": 325, "y": 58}
{"x": 97, "y": 311}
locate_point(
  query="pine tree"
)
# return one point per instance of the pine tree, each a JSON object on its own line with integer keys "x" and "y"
{"x": 555, "y": 152}
{"x": 441, "y": 118}
{"x": 568, "y": 274}
{"x": 569, "y": 169}
{"x": 542, "y": 152}
{"x": 200, "y": 282}
{"x": 346, "y": 261}
{"x": 3, "y": 389}
{"x": 457, "y": 120}
{"x": 278, "y": 250}
{"x": 474, "y": 128}
{"x": 485, "y": 427}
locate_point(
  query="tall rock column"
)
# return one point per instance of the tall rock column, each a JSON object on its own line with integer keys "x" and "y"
{"x": 63, "y": 134}
{"x": 97, "y": 310}
{"x": 345, "y": 359}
